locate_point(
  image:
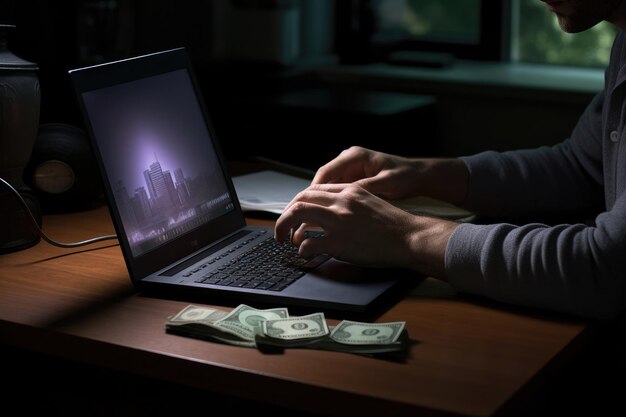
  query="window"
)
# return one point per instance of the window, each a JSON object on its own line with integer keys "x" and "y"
{"x": 449, "y": 21}
{"x": 517, "y": 30}
{"x": 539, "y": 39}
{"x": 369, "y": 30}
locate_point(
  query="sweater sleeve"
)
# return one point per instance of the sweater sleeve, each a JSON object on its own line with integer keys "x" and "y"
{"x": 575, "y": 269}
{"x": 572, "y": 268}
{"x": 563, "y": 178}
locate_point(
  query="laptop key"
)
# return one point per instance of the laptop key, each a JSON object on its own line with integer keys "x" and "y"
{"x": 265, "y": 285}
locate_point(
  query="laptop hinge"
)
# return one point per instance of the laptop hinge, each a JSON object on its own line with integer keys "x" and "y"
{"x": 210, "y": 250}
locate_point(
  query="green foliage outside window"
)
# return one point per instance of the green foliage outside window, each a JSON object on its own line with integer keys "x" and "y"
{"x": 540, "y": 39}
{"x": 446, "y": 20}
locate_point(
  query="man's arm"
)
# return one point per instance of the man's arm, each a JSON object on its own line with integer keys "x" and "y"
{"x": 571, "y": 268}
{"x": 560, "y": 179}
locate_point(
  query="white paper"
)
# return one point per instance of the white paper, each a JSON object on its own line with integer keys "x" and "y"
{"x": 268, "y": 191}
{"x": 271, "y": 191}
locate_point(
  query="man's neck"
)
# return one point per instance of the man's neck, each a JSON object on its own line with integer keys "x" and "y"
{"x": 619, "y": 16}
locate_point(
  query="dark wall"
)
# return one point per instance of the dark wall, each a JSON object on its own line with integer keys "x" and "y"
{"x": 46, "y": 35}
{"x": 61, "y": 35}
{"x": 242, "y": 50}
{"x": 251, "y": 94}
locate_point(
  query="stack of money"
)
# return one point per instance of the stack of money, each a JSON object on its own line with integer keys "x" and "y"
{"x": 239, "y": 327}
{"x": 348, "y": 336}
{"x": 275, "y": 329}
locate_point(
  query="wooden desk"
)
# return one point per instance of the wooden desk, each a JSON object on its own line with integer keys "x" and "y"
{"x": 470, "y": 358}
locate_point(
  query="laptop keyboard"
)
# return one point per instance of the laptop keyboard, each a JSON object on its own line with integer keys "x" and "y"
{"x": 268, "y": 265}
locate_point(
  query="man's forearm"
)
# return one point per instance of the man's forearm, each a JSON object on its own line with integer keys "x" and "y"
{"x": 445, "y": 179}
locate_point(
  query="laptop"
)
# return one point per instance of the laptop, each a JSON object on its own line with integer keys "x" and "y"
{"x": 176, "y": 213}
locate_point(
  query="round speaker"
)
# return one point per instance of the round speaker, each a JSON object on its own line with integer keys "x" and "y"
{"x": 62, "y": 169}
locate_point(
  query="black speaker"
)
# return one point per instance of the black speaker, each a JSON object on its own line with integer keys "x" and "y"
{"x": 17, "y": 230}
{"x": 62, "y": 170}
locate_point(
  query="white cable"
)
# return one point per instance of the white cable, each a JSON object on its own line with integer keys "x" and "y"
{"x": 43, "y": 235}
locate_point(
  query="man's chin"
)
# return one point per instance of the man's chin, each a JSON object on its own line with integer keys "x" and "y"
{"x": 571, "y": 26}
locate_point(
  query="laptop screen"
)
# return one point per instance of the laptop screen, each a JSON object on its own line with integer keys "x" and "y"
{"x": 159, "y": 158}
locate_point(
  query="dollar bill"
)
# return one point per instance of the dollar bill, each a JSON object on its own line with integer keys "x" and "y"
{"x": 202, "y": 332}
{"x": 294, "y": 331}
{"x": 397, "y": 349}
{"x": 357, "y": 333}
{"x": 196, "y": 314}
{"x": 273, "y": 328}
{"x": 246, "y": 322}
{"x": 351, "y": 337}
{"x": 237, "y": 327}
{"x": 199, "y": 322}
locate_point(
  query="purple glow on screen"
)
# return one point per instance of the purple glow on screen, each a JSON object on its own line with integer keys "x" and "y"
{"x": 159, "y": 158}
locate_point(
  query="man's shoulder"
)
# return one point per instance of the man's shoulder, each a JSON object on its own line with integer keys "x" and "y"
{"x": 618, "y": 42}
{"x": 618, "y": 53}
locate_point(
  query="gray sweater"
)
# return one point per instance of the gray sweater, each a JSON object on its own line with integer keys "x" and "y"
{"x": 572, "y": 268}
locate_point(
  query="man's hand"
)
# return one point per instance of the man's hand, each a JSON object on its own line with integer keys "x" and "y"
{"x": 364, "y": 229}
{"x": 393, "y": 177}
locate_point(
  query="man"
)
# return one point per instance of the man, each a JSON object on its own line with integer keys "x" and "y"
{"x": 573, "y": 268}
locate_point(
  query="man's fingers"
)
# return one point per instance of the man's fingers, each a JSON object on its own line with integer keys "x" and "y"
{"x": 301, "y": 213}
{"x": 311, "y": 247}
{"x": 300, "y": 234}
{"x": 318, "y": 194}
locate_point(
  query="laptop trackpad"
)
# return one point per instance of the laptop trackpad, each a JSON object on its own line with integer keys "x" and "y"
{"x": 340, "y": 281}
